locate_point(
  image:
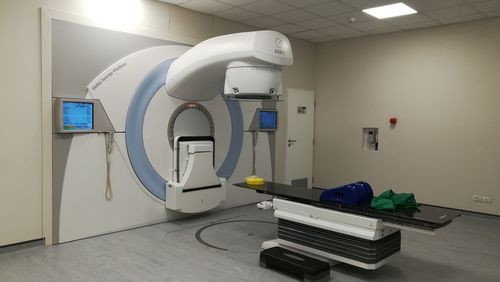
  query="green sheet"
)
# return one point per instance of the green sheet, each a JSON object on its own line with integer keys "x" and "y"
{"x": 389, "y": 200}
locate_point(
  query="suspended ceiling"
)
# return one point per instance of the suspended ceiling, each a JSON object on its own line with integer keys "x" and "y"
{"x": 328, "y": 20}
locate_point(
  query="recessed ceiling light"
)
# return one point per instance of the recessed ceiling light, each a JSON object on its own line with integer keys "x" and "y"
{"x": 389, "y": 11}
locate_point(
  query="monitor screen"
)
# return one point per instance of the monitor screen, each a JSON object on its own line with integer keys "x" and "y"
{"x": 78, "y": 115}
{"x": 268, "y": 120}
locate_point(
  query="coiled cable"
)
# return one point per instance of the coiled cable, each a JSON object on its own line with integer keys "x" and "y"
{"x": 109, "y": 137}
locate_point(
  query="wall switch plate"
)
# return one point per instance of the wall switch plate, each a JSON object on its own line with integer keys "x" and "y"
{"x": 477, "y": 198}
{"x": 370, "y": 138}
{"x": 487, "y": 199}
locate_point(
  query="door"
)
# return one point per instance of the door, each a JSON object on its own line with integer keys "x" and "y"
{"x": 300, "y": 137}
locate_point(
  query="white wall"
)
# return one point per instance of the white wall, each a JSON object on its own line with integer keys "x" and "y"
{"x": 20, "y": 110}
{"x": 444, "y": 86}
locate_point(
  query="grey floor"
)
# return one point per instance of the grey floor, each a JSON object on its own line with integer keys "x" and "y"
{"x": 467, "y": 250}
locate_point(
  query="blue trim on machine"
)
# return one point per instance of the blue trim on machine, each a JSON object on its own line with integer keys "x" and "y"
{"x": 233, "y": 154}
{"x": 134, "y": 125}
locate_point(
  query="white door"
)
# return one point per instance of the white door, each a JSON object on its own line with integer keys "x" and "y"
{"x": 300, "y": 137}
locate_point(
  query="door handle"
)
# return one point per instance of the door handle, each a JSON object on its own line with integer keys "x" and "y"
{"x": 291, "y": 142}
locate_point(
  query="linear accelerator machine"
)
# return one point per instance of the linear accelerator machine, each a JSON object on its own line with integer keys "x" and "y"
{"x": 127, "y": 103}
{"x": 248, "y": 66}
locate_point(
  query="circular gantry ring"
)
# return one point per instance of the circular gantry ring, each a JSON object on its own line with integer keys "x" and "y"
{"x": 134, "y": 125}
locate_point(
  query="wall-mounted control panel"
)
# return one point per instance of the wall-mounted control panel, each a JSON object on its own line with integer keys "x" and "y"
{"x": 73, "y": 115}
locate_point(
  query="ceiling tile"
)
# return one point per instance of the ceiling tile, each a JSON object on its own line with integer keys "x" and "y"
{"x": 205, "y": 6}
{"x": 317, "y": 23}
{"x": 264, "y": 22}
{"x": 408, "y": 19}
{"x": 461, "y": 19}
{"x": 323, "y": 39}
{"x": 364, "y": 26}
{"x": 237, "y": 14}
{"x": 427, "y": 5}
{"x": 452, "y": 12}
{"x": 351, "y": 35}
{"x": 338, "y": 30}
{"x": 383, "y": 30}
{"x": 364, "y": 4}
{"x": 345, "y": 18}
{"x": 294, "y": 16}
{"x": 308, "y": 34}
{"x": 419, "y": 25}
{"x": 268, "y": 7}
{"x": 487, "y": 6}
{"x": 330, "y": 9}
{"x": 288, "y": 28}
{"x": 304, "y": 3}
{"x": 238, "y": 2}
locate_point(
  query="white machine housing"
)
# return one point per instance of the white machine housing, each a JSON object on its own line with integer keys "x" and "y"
{"x": 231, "y": 64}
{"x": 196, "y": 187}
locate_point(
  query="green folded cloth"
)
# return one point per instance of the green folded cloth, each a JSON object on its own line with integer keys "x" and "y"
{"x": 389, "y": 200}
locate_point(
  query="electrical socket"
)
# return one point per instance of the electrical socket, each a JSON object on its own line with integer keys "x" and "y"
{"x": 482, "y": 199}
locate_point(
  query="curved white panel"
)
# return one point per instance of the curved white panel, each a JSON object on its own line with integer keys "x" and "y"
{"x": 84, "y": 210}
{"x": 116, "y": 85}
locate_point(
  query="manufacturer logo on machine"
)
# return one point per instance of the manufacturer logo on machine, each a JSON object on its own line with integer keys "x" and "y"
{"x": 279, "y": 45}
{"x": 108, "y": 75}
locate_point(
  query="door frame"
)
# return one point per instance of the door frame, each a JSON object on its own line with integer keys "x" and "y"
{"x": 286, "y": 132}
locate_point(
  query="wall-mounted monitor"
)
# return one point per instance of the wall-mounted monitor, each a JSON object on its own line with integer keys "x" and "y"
{"x": 78, "y": 115}
{"x": 268, "y": 120}
{"x": 74, "y": 115}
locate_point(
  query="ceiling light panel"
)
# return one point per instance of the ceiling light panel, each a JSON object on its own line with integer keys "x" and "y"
{"x": 390, "y": 11}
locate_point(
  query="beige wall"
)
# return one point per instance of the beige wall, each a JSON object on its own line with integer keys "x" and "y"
{"x": 444, "y": 86}
{"x": 20, "y": 149}
{"x": 20, "y": 110}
